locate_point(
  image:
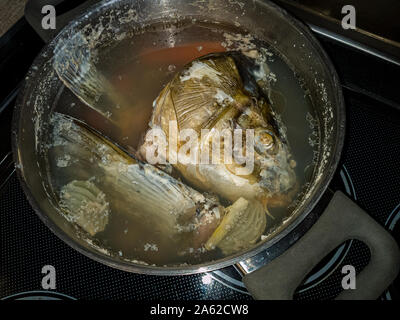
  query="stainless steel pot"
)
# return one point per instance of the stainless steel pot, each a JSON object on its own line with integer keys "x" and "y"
{"x": 273, "y": 269}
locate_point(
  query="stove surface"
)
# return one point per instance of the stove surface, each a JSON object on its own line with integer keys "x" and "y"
{"x": 369, "y": 173}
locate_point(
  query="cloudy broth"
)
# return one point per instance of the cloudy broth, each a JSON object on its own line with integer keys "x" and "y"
{"x": 139, "y": 67}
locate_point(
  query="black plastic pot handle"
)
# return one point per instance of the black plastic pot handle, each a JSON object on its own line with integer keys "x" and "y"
{"x": 66, "y": 10}
{"x": 342, "y": 220}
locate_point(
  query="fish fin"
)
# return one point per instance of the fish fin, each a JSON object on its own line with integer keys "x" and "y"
{"x": 73, "y": 63}
{"x": 242, "y": 226}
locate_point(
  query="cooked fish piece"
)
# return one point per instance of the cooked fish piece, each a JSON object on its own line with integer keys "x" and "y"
{"x": 217, "y": 92}
{"x": 85, "y": 205}
{"x": 171, "y": 208}
{"x": 153, "y": 196}
{"x": 243, "y": 224}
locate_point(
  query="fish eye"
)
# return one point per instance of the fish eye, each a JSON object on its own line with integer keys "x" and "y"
{"x": 267, "y": 139}
{"x": 264, "y": 141}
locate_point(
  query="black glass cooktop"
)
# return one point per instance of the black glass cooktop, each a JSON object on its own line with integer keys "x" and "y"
{"x": 369, "y": 173}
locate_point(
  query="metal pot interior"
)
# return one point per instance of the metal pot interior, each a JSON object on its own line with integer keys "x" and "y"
{"x": 109, "y": 19}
